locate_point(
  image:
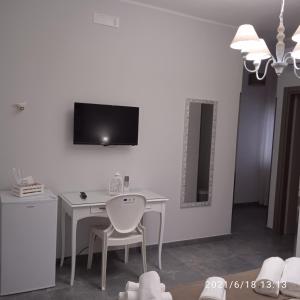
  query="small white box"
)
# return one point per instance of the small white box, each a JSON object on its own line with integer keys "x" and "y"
{"x": 106, "y": 20}
{"x": 28, "y": 190}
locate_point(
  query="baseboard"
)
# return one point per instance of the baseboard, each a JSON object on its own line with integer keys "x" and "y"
{"x": 195, "y": 241}
{"x": 171, "y": 244}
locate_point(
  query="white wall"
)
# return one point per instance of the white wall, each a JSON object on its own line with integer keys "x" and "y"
{"x": 52, "y": 54}
{"x": 287, "y": 79}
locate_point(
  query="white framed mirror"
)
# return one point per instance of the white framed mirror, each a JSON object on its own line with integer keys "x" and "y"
{"x": 198, "y": 152}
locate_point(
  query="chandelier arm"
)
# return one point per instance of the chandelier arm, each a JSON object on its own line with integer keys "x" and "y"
{"x": 295, "y": 64}
{"x": 287, "y": 56}
{"x": 249, "y": 70}
{"x": 266, "y": 70}
{"x": 296, "y": 73}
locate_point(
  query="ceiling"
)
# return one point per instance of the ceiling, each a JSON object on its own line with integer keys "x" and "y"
{"x": 263, "y": 14}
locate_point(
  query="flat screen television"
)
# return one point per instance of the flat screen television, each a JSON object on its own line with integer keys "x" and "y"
{"x": 98, "y": 124}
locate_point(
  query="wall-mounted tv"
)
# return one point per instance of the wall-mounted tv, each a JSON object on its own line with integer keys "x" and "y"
{"x": 98, "y": 124}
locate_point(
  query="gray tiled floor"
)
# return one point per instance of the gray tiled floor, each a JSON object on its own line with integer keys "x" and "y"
{"x": 249, "y": 245}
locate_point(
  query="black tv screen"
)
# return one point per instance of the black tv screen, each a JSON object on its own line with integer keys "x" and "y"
{"x": 98, "y": 124}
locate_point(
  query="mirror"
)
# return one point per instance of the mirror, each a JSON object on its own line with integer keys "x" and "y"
{"x": 198, "y": 152}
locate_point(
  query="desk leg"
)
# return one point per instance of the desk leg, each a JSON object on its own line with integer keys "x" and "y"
{"x": 161, "y": 233}
{"x": 63, "y": 235}
{"x": 74, "y": 229}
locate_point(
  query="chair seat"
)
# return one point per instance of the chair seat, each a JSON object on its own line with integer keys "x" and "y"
{"x": 118, "y": 239}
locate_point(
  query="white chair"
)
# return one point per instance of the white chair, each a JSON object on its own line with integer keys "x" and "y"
{"x": 125, "y": 213}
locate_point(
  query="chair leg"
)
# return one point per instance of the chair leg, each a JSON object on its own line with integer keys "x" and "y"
{"x": 104, "y": 263}
{"x": 144, "y": 253}
{"x": 126, "y": 254}
{"x": 91, "y": 250}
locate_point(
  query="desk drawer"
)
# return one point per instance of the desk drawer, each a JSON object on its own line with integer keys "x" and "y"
{"x": 97, "y": 210}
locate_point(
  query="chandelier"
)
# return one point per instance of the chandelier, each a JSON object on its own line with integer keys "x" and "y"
{"x": 255, "y": 51}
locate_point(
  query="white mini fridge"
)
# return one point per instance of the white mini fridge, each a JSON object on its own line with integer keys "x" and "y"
{"x": 27, "y": 242}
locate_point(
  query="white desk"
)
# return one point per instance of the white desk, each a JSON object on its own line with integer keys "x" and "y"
{"x": 94, "y": 206}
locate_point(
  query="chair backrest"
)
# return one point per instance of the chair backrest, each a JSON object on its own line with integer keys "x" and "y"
{"x": 126, "y": 211}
